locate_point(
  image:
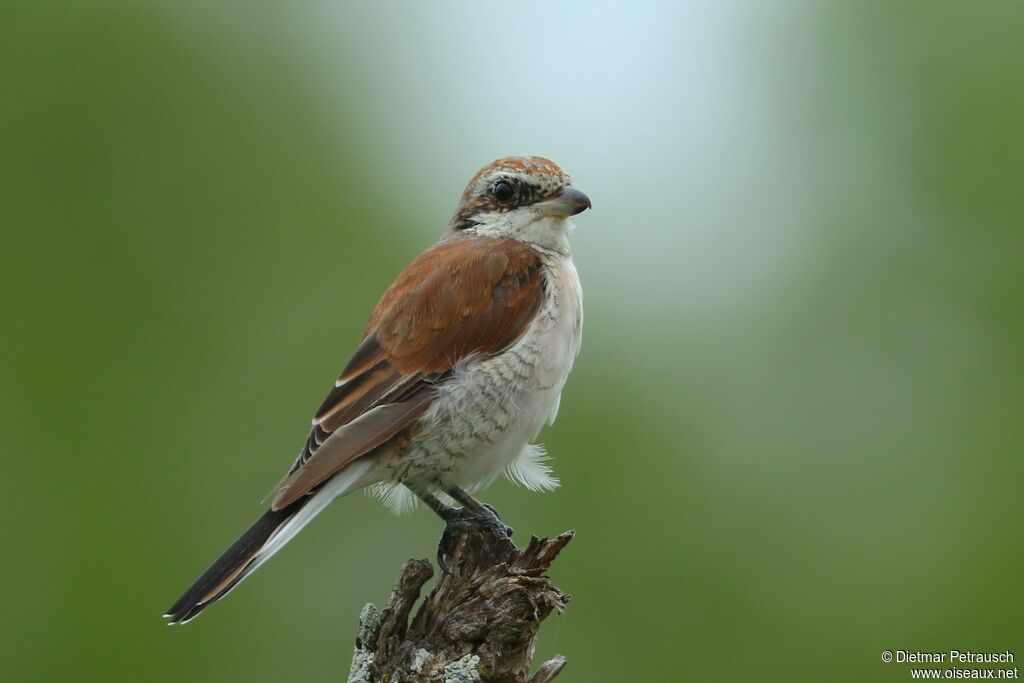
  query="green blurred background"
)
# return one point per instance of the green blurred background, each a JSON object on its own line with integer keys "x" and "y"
{"x": 793, "y": 437}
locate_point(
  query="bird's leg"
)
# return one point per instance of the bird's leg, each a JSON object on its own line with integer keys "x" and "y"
{"x": 443, "y": 511}
{"x": 484, "y": 510}
{"x": 450, "y": 516}
{"x": 472, "y": 514}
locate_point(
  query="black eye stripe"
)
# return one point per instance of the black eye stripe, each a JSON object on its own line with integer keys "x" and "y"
{"x": 510, "y": 192}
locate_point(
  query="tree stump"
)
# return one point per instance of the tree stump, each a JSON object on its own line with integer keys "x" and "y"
{"x": 479, "y": 623}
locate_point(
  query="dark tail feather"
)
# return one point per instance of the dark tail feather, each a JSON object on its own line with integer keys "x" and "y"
{"x": 231, "y": 567}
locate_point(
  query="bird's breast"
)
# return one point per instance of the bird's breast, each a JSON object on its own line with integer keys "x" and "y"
{"x": 492, "y": 407}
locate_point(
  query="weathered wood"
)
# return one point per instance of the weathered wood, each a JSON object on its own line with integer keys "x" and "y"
{"x": 479, "y": 623}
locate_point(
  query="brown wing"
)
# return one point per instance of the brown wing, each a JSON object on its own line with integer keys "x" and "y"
{"x": 460, "y": 297}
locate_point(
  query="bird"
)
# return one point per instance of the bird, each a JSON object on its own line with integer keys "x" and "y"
{"x": 461, "y": 365}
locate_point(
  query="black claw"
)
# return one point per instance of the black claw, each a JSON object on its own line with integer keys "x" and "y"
{"x": 442, "y": 550}
{"x": 446, "y": 546}
{"x": 501, "y": 530}
{"x": 459, "y": 520}
{"x": 493, "y": 522}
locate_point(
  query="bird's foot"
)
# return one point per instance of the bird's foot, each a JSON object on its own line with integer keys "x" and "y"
{"x": 460, "y": 520}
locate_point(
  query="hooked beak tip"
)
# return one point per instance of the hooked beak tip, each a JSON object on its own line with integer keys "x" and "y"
{"x": 568, "y": 202}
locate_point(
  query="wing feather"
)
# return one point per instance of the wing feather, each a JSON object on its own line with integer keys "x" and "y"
{"x": 461, "y": 297}
{"x": 344, "y": 445}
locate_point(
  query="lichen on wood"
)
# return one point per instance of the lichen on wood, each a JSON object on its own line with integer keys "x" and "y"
{"x": 479, "y": 623}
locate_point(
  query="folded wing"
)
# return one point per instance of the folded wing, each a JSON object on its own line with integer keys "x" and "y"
{"x": 460, "y": 298}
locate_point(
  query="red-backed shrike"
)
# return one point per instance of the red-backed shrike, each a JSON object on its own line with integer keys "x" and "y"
{"x": 461, "y": 365}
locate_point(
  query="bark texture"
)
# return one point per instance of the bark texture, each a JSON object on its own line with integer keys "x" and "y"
{"x": 479, "y": 623}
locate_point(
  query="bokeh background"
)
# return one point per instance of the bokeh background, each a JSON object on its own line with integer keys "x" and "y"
{"x": 793, "y": 438}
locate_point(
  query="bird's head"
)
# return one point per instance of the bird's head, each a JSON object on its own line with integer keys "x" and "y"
{"x": 529, "y": 199}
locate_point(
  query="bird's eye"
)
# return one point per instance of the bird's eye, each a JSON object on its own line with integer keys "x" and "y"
{"x": 502, "y": 191}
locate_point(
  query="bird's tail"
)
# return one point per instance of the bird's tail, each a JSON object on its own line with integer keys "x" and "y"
{"x": 269, "y": 534}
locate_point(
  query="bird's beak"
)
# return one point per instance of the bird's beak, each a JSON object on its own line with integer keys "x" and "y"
{"x": 568, "y": 202}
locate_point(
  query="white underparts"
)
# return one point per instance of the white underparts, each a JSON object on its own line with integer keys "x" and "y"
{"x": 395, "y": 496}
{"x": 527, "y": 224}
{"x": 531, "y": 470}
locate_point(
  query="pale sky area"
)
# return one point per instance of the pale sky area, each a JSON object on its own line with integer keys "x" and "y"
{"x": 677, "y": 119}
